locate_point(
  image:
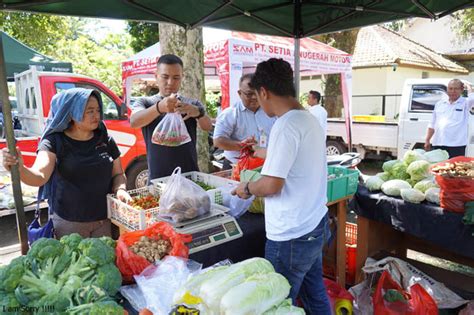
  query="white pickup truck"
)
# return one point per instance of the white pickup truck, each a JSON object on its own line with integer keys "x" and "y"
{"x": 394, "y": 138}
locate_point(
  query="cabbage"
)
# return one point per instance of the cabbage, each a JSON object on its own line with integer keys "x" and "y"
{"x": 285, "y": 308}
{"x": 432, "y": 195}
{"x": 412, "y": 156}
{"x": 419, "y": 170}
{"x": 256, "y": 295}
{"x": 412, "y": 195}
{"x": 374, "y": 183}
{"x": 399, "y": 171}
{"x": 385, "y": 176}
{"x": 387, "y": 166}
{"x": 214, "y": 288}
{"x": 412, "y": 182}
{"x": 420, "y": 151}
{"x": 424, "y": 185}
{"x": 192, "y": 287}
{"x": 436, "y": 156}
{"x": 392, "y": 187}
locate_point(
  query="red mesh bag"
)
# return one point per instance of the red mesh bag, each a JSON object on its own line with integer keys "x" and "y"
{"x": 131, "y": 264}
{"x": 455, "y": 184}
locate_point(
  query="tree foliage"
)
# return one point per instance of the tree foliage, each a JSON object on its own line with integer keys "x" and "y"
{"x": 142, "y": 34}
{"x": 464, "y": 23}
{"x": 68, "y": 39}
{"x": 344, "y": 41}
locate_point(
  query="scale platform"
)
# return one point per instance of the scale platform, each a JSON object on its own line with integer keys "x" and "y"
{"x": 209, "y": 230}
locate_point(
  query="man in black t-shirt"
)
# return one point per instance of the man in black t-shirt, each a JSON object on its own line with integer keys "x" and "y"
{"x": 147, "y": 112}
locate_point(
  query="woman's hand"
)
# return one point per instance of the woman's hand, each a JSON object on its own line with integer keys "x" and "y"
{"x": 123, "y": 195}
{"x": 8, "y": 160}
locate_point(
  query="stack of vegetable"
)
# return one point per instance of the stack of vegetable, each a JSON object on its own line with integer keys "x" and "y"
{"x": 74, "y": 275}
{"x": 249, "y": 287}
{"x": 152, "y": 249}
{"x": 409, "y": 178}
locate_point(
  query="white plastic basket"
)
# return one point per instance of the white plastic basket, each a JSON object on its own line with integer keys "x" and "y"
{"x": 134, "y": 219}
{"x": 208, "y": 179}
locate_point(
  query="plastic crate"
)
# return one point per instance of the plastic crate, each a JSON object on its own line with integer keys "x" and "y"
{"x": 133, "y": 219}
{"x": 351, "y": 251}
{"x": 208, "y": 179}
{"x": 329, "y": 263}
{"x": 227, "y": 174}
{"x": 344, "y": 184}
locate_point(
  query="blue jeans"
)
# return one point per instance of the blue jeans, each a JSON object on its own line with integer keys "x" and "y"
{"x": 300, "y": 261}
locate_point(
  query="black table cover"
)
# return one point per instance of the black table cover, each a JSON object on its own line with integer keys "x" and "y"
{"x": 426, "y": 221}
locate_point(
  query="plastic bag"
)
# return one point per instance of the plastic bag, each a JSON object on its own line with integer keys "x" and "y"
{"x": 237, "y": 205}
{"x": 246, "y": 162}
{"x": 183, "y": 199}
{"x": 455, "y": 201}
{"x": 390, "y": 299}
{"x": 131, "y": 264}
{"x": 455, "y": 184}
{"x": 171, "y": 131}
{"x": 160, "y": 282}
{"x": 407, "y": 275}
{"x": 339, "y": 298}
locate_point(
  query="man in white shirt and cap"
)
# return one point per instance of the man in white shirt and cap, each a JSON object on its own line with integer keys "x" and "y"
{"x": 245, "y": 123}
{"x": 448, "y": 128}
{"x": 318, "y": 111}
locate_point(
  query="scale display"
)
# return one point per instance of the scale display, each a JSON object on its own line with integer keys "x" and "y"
{"x": 212, "y": 232}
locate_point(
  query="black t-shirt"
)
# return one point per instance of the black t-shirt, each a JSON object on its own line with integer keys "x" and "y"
{"x": 82, "y": 177}
{"x": 162, "y": 160}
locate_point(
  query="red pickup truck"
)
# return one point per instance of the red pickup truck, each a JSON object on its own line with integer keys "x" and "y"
{"x": 34, "y": 91}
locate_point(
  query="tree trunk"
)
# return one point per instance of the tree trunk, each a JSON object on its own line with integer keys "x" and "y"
{"x": 188, "y": 46}
{"x": 344, "y": 41}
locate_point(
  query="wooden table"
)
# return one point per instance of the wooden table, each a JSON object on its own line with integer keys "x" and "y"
{"x": 389, "y": 224}
{"x": 341, "y": 214}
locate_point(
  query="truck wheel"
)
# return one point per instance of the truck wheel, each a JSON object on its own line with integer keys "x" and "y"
{"x": 334, "y": 147}
{"x": 137, "y": 175}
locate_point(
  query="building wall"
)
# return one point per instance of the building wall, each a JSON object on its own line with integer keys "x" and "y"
{"x": 369, "y": 84}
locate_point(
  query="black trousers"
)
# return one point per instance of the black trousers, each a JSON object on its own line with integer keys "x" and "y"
{"x": 452, "y": 151}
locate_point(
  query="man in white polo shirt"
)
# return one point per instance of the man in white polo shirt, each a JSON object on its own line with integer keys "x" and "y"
{"x": 448, "y": 129}
{"x": 245, "y": 122}
{"x": 294, "y": 179}
{"x": 318, "y": 111}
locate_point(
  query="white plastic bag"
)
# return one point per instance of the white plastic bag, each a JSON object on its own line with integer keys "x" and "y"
{"x": 161, "y": 281}
{"x": 183, "y": 199}
{"x": 171, "y": 131}
{"x": 237, "y": 205}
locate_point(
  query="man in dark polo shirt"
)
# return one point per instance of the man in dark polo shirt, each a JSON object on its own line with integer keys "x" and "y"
{"x": 147, "y": 112}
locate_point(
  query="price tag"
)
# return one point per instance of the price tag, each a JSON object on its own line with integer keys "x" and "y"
{"x": 263, "y": 140}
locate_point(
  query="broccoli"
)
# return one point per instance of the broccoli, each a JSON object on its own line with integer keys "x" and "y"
{"x": 98, "y": 308}
{"x": 71, "y": 242}
{"x": 96, "y": 251}
{"x": 45, "y": 248}
{"x": 8, "y": 300}
{"x": 108, "y": 277}
{"x": 10, "y": 276}
{"x": 90, "y": 294}
{"x": 109, "y": 241}
{"x": 57, "y": 302}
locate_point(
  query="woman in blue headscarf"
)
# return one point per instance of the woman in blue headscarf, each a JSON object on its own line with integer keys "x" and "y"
{"x": 77, "y": 165}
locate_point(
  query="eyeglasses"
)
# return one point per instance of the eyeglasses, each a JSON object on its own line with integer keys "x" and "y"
{"x": 249, "y": 94}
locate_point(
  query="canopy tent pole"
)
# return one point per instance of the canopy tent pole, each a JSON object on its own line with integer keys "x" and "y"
{"x": 297, "y": 32}
{"x": 297, "y": 67}
{"x": 15, "y": 173}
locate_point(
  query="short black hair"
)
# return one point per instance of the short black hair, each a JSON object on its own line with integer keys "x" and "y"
{"x": 170, "y": 59}
{"x": 316, "y": 95}
{"x": 274, "y": 75}
{"x": 247, "y": 76}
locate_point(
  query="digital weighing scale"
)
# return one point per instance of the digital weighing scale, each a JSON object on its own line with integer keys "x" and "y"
{"x": 209, "y": 230}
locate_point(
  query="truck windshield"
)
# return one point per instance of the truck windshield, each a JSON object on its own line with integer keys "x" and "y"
{"x": 111, "y": 110}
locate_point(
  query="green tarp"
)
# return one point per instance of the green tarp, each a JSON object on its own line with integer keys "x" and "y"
{"x": 299, "y": 18}
{"x": 19, "y": 57}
